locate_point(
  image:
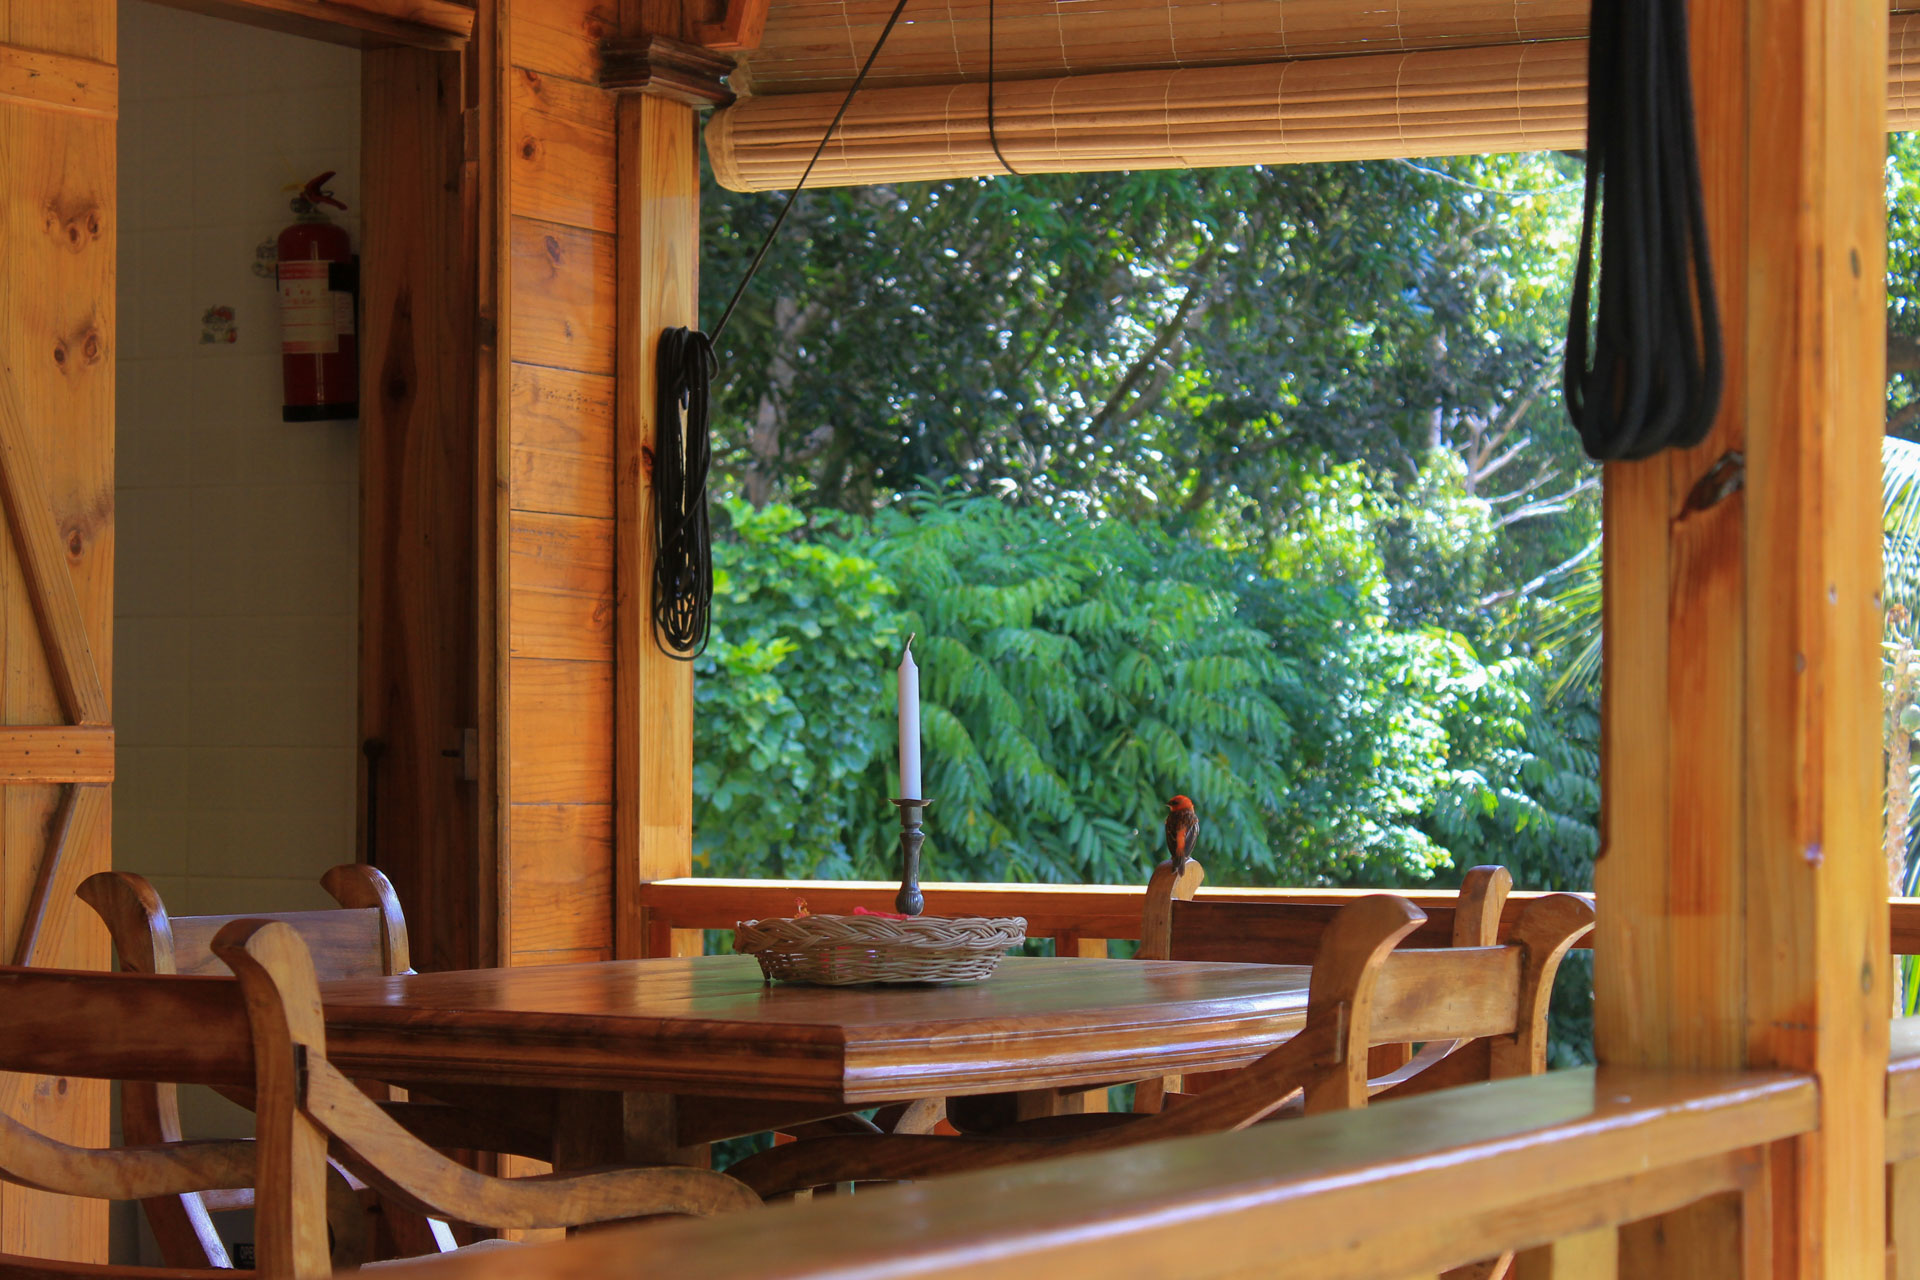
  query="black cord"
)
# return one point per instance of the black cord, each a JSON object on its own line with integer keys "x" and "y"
{"x": 1644, "y": 368}
{"x": 993, "y": 132}
{"x": 766, "y": 244}
{"x": 683, "y": 439}
{"x": 682, "y": 538}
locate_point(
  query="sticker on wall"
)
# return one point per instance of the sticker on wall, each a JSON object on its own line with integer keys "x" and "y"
{"x": 216, "y": 326}
{"x": 266, "y": 257}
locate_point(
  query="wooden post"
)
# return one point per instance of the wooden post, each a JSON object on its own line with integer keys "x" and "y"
{"x": 658, "y": 276}
{"x": 419, "y": 681}
{"x": 1744, "y": 912}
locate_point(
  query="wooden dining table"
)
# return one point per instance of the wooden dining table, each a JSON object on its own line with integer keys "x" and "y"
{"x": 650, "y": 1060}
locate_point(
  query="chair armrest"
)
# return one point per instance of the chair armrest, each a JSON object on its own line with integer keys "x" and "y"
{"x": 124, "y": 1173}
{"x": 396, "y": 1162}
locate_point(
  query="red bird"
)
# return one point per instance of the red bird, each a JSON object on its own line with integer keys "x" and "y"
{"x": 1183, "y": 827}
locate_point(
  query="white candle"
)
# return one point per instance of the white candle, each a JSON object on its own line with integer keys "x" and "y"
{"x": 909, "y": 724}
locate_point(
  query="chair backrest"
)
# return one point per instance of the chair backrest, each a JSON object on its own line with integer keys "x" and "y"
{"x": 366, "y": 936}
{"x": 1486, "y": 1005}
{"x": 147, "y": 1028}
{"x": 1176, "y": 927}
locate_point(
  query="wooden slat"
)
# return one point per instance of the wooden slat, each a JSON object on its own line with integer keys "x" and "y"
{"x": 561, "y": 37}
{"x": 563, "y": 296}
{"x": 361, "y": 24}
{"x": 563, "y": 588}
{"x": 59, "y": 873}
{"x": 562, "y": 442}
{"x": 562, "y": 154}
{"x": 560, "y": 864}
{"x": 36, "y": 78}
{"x": 1454, "y": 992}
{"x": 55, "y": 753}
{"x": 653, "y": 712}
{"x": 562, "y": 716}
{"x": 1404, "y": 1188}
{"x": 43, "y": 559}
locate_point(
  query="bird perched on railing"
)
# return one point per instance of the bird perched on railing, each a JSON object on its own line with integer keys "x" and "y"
{"x": 1183, "y": 828}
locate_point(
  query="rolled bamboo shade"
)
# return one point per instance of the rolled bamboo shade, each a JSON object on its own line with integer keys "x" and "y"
{"x": 817, "y": 45}
{"x": 1505, "y": 98}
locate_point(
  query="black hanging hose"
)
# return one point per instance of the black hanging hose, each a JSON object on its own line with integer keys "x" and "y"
{"x": 1643, "y": 367}
{"x": 683, "y": 439}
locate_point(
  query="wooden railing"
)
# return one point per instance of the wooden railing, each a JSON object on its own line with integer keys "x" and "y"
{"x": 1079, "y": 918}
{"x": 1549, "y": 1164}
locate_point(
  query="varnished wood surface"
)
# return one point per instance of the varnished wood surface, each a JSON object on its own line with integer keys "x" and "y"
{"x": 710, "y": 1025}
{"x": 1403, "y": 1188}
{"x": 1084, "y": 911}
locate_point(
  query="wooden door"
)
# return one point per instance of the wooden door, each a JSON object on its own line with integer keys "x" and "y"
{"x": 59, "y": 95}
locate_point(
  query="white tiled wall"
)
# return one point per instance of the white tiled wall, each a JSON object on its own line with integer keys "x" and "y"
{"x": 237, "y": 578}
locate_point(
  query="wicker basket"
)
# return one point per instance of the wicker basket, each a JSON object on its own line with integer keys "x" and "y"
{"x": 843, "y": 951}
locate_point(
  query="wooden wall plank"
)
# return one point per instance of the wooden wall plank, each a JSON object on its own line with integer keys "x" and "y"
{"x": 562, "y": 153}
{"x": 562, "y": 715}
{"x": 562, "y": 442}
{"x": 563, "y": 299}
{"x": 1744, "y": 918}
{"x": 58, "y": 225}
{"x": 419, "y": 685}
{"x": 659, "y": 247}
{"x": 562, "y": 872}
{"x": 562, "y": 603}
{"x": 562, "y": 37}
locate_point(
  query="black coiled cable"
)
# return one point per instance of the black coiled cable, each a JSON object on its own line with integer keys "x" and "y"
{"x": 1649, "y": 376}
{"x": 683, "y": 439}
{"x": 682, "y": 454}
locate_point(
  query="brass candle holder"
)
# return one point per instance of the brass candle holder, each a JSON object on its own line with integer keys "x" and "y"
{"x": 908, "y": 902}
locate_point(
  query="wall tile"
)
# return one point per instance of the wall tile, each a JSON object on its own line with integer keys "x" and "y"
{"x": 236, "y": 613}
{"x": 273, "y": 550}
{"x": 153, "y": 540}
{"x": 243, "y": 843}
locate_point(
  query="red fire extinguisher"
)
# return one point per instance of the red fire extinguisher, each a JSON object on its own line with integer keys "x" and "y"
{"x": 319, "y": 283}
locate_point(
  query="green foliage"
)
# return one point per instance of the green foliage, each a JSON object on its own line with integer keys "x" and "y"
{"x": 1075, "y": 673}
{"x": 790, "y": 728}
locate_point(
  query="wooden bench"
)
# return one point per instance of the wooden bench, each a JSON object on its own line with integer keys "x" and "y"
{"x": 1546, "y": 1163}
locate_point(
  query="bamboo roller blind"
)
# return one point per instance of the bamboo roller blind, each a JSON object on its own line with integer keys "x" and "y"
{"x": 1503, "y": 98}
{"x": 813, "y": 45}
{"x": 817, "y": 45}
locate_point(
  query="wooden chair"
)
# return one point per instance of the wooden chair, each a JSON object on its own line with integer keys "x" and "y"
{"x": 365, "y": 937}
{"x": 1175, "y": 927}
{"x": 1362, "y": 993}
{"x": 263, "y": 1032}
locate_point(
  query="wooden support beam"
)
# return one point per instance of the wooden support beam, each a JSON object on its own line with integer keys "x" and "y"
{"x": 362, "y": 24}
{"x": 658, "y": 275}
{"x": 1745, "y": 919}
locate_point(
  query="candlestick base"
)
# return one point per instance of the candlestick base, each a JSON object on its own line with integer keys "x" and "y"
{"x": 909, "y": 902}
